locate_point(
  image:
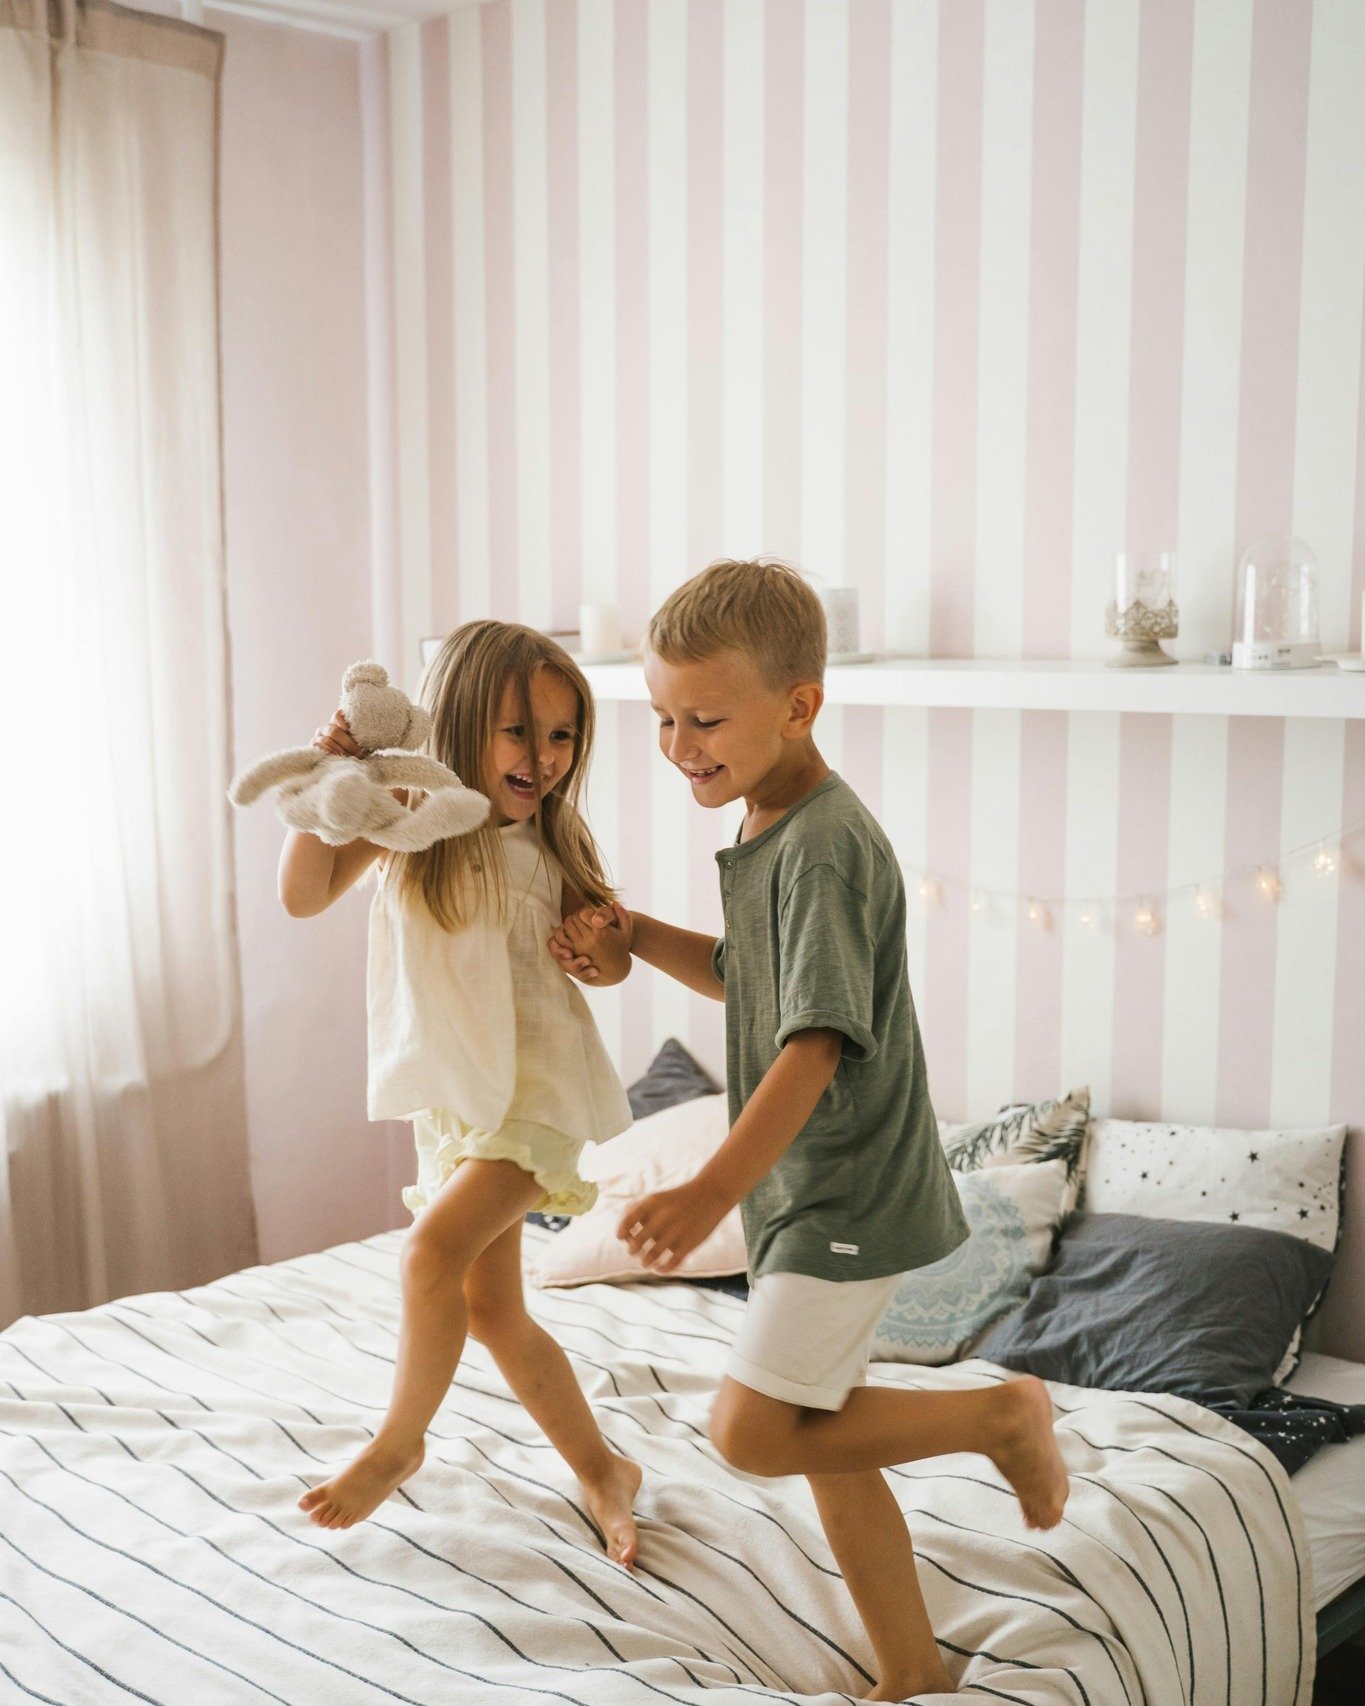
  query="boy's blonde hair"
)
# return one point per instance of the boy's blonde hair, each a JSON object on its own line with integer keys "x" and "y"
{"x": 764, "y": 609}
{"x": 462, "y": 687}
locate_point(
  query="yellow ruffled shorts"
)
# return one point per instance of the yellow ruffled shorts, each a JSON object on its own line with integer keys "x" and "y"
{"x": 443, "y": 1141}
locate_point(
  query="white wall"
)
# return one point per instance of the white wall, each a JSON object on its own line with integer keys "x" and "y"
{"x": 300, "y": 553}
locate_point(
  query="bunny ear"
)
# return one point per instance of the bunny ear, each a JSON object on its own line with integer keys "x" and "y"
{"x": 269, "y": 772}
{"x": 371, "y": 673}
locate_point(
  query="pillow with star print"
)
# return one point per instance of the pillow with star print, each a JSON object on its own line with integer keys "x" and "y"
{"x": 1277, "y": 1181}
{"x": 1281, "y": 1181}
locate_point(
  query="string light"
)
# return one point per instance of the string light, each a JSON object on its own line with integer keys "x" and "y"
{"x": 1327, "y": 855}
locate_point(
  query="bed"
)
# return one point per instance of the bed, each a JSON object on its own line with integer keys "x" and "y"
{"x": 151, "y": 1452}
{"x": 1330, "y": 1489}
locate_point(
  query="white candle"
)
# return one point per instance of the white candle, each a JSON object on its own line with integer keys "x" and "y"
{"x": 599, "y": 630}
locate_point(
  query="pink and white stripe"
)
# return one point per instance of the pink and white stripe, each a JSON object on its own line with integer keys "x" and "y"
{"x": 949, "y": 302}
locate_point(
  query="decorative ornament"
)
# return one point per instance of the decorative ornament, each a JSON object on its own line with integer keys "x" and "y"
{"x": 1143, "y": 610}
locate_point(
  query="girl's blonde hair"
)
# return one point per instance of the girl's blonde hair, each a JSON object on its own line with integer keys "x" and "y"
{"x": 463, "y": 687}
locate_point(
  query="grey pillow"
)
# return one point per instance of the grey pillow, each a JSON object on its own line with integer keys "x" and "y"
{"x": 1201, "y": 1309}
{"x": 673, "y": 1077}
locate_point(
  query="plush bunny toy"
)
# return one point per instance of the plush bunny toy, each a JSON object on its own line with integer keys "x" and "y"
{"x": 344, "y": 799}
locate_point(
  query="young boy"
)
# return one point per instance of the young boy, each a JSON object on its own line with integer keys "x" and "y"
{"x": 833, "y": 1152}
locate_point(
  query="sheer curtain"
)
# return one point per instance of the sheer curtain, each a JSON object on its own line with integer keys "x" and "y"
{"x": 122, "y": 1127}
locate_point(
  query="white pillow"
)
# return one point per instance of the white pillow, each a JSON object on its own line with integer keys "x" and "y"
{"x": 657, "y": 1153}
{"x": 1284, "y": 1181}
{"x": 1014, "y": 1213}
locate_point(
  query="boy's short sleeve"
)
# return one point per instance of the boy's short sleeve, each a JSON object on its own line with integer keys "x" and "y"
{"x": 718, "y": 960}
{"x": 828, "y": 962}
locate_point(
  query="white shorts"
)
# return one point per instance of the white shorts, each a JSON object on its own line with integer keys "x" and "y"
{"x": 806, "y": 1340}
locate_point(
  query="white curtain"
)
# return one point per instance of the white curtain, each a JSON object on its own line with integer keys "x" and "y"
{"x": 122, "y": 1129}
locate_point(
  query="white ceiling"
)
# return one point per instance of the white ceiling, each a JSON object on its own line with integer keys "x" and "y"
{"x": 353, "y": 18}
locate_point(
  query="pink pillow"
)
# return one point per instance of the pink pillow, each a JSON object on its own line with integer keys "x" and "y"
{"x": 664, "y": 1150}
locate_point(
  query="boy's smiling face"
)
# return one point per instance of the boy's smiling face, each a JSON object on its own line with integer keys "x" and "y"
{"x": 728, "y": 729}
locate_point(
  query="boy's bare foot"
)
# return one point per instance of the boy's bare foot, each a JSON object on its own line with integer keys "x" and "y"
{"x": 611, "y": 1499}
{"x": 907, "y": 1687}
{"x": 1027, "y": 1454}
{"x": 361, "y": 1488}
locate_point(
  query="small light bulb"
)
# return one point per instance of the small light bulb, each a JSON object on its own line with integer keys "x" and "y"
{"x": 1206, "y": 902}
{"x": 978, "y": 903}
{"x": 931, "y": 891}
{"x": 1038, "y": 915}
{"x": 1145, "y": 919}
{"x": 1323, "y": 862}
{"x": 1087, "y": 918}
{"x": 1268, "y": 882}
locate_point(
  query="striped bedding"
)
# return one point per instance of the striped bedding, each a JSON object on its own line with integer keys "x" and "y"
{"x": 151, "y": 1453}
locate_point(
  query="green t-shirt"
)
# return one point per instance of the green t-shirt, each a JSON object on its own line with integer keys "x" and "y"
{"x": 815, "y": 939}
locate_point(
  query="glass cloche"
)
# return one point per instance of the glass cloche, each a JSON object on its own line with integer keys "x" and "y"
{"x": 1277, "y": 606}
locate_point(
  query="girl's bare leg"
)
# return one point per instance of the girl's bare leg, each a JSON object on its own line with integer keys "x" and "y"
{"x": 478, "y": 1203}
{"x": 871, "y": 1545}
{"x": 540, "y": 1374}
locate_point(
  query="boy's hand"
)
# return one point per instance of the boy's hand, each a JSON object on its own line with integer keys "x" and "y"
{"x": 594, "y": 943}
{"x": 665, "y": 1226}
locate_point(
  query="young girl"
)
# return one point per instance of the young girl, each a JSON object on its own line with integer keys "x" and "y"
{"x": 479, "y": 1038}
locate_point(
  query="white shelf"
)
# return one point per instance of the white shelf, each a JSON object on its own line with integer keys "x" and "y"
{"x": 1041, "y": 686}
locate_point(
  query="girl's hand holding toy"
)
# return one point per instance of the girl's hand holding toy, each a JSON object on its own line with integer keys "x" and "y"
{"x": 341, "y": 787}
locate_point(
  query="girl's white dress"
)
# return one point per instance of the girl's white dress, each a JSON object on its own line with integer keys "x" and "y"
{"x": 479, "y": 1038}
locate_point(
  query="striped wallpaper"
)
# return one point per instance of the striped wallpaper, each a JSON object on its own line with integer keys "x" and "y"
{"x": 947, "y": 301}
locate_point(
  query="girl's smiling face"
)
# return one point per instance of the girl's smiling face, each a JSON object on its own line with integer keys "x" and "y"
{"x": 522, "y": 765}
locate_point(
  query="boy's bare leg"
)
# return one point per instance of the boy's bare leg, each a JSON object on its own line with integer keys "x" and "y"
{"x": 540, "y": 1374}
{"x": 1011, "y": 1423}
{"x": 872, "y": 1547}
{"x": 479, "y": 1201}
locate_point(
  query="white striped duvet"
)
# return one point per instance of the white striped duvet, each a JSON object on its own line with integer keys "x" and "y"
{"x": 150, "y": 1549}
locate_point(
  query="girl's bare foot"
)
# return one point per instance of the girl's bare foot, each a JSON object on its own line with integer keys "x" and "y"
{"x": 363, "y": 1487}
{"x": 611, "y": 1499}
{"x": 906, "y": 1687}
{"x": 1027, "y": 1454}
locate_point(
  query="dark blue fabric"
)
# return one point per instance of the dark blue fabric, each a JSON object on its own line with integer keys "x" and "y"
{"x": 673, "y": 1077}
{"x": 1293, "y": 1425}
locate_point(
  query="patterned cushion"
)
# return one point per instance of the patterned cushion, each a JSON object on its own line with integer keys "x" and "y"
{"x": 1014, "y": 1213}
{"x": 1026, "y": 1132}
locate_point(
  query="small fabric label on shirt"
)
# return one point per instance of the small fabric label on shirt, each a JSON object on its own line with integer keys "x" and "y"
{"x": 844, "y": 1249}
